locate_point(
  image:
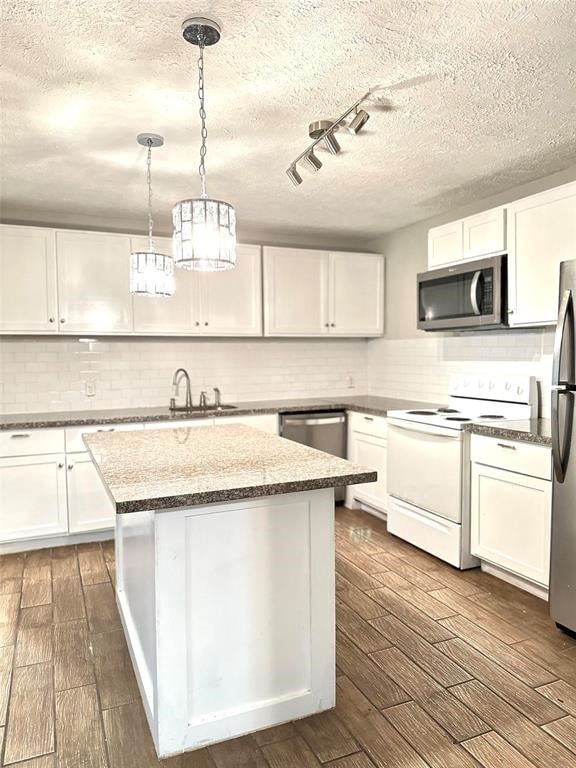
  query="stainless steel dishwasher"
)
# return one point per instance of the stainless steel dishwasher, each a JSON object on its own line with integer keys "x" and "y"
{"x": 324, "y": 430}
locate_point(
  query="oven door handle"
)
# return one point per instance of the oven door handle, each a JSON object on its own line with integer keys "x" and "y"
{"x": 474, "y": 292}
{"x": 425, "y": 429}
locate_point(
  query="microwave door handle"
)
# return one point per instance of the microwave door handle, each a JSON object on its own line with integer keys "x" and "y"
{"x": 474, "y": 292}
{"x": 560, "y": 453}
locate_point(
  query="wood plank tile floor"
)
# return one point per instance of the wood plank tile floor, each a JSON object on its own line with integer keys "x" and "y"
{"x": 436, "y": 669}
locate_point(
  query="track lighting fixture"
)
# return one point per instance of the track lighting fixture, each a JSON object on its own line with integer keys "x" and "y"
{"x": 322, "y": 132}
{"x": 312, "y": 161}
{"x": 358, "y": 121}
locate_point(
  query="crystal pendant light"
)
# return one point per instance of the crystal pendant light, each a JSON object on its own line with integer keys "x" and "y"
{"x": 204, "y": 236}
{"x": 151, "y": 273}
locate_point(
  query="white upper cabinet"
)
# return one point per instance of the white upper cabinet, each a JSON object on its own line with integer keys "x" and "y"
{"x": 167, "y": 314}
{"x": 471, "y": 238}
{"x": 356, "y": 294}
{"x": 445, "y": 244}
{"x": 231, "y": 301}
{"x": 541, "y": 234}
{"x": 94, "y": 282}
{"x": 484, "y": 233}
{"x": 313, "y": 293}
{"x": 27, "y": 280}
{"x": 295, "y": 292}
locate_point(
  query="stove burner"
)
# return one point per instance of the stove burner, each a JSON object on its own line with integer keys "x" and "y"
{"x": 491, "y": 416}
{"x": 457, "y": 418}
{"x": 448, "y": 410}
{"x": 422, "y": 413}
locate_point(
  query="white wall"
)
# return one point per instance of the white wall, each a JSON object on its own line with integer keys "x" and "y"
{"x": 50, "y": 374}
{"x": 419, "y": 364}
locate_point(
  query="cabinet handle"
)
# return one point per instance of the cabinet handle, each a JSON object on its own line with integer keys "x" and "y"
{"x": 110, "y": 429}
{"x": 368, "y": 418}
{"x": 510, "y": 447}
{"x": 19, "y": 436}
{"x": 51, "y": 320}
{"x": 62, "y": 319}
{"x": 510, "y": 312}
{"x": 70, "y": 466}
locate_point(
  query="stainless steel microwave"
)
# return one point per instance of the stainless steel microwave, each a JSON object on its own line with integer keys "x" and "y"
{"x": 463, "y": 297}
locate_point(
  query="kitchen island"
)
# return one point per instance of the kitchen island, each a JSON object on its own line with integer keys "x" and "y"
{"x": 225, "y": 576}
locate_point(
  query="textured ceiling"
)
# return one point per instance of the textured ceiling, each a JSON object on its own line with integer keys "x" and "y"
{"x": 83, "y": 77}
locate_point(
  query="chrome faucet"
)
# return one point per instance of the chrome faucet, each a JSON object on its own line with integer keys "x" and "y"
{"x": 203, "y": 400}
{"x": 217, "y": 397}
{"x": 178, "y": 375}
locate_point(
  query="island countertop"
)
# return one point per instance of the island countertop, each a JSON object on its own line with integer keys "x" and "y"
{"x": 183, "y": 467}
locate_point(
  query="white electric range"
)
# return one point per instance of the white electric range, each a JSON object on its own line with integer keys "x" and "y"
{"x": 429, "y": 467}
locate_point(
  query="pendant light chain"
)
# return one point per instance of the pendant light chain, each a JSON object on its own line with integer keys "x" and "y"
{"x": 149, "y": 183}
{"x": 202, "y": 111}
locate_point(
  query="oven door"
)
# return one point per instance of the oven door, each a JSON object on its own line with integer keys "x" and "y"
{"x": 425, "y": 467}
{"x": 463, "y": 296}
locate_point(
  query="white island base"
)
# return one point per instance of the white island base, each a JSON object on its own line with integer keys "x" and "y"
{"x": 228, "y": 611}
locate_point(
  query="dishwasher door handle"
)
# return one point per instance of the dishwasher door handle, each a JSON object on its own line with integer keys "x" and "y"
{"x": 312, "y": 422}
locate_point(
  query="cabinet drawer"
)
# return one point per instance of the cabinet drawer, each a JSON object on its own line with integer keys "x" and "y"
{"x": 526, "y": 458}
{"x": 31, "y": 442}
{"x": 74, "y": 442}
{"x": 368, "y": 424}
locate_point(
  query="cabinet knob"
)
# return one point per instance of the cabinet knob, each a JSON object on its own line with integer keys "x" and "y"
{"x": 62, "y": 320}
{"x": 510, "y": 312}
{"x": 51, "y": 320}
{"x": 332, "y": 325}
{"x": 205, "y": 322}
{"x": 326, "y": 325}
{"x": 60, "y": 466}
{"x": 70, "y": 466}
{"x": 196, "y": 323}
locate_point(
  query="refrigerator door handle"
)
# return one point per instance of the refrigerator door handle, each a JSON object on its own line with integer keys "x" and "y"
{"x": 560, "y": 453}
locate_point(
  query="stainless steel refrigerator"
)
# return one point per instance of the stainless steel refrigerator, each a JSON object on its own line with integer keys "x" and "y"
{"x": 563, "y": 552}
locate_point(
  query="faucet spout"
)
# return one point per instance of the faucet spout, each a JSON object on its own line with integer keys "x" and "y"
{"x": 179, "y": 374}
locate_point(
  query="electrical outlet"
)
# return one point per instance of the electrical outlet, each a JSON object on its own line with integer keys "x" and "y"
{"x": 350, "y": 381}
{"x": 90, "y": 388}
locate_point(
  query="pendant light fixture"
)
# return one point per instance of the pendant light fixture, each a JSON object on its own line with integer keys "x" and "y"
{"x": 204, "y": 236}
{"x": 151, "y": 273}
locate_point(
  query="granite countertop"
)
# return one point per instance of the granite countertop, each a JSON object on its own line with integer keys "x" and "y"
{"x": 529, "y": 431}
{"x": 372, "y": 404}
{"x": 183, "y": 467}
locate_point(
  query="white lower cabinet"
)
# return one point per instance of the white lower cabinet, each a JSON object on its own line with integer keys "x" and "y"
{"x": 89, "y": 507}
{"x": 32, "y": 496}
{"x": 511, "y": 513}
{"x": 368, "y": 445}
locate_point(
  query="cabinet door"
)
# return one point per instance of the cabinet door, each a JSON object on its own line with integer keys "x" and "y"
{"x": 167, "y": 314}
{"x": 27, "y": 280}
{"x": 232, "y": 300}
{"x": 370, "y": 451}
{"x": 541, "y": 234}
{"x": 32, "y": 497}
{"x": 485, "y": 233}
{"x": 356, "y": 294}
{"x": 295, "y": 292}
{"x": 89, "y": 506}
{"x": 94, "y": 282}
{"x": 510, "y": 521}
{"x": 445, "y": 244}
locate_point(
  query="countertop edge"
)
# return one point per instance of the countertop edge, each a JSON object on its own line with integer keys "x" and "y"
{"x": 165, "y": 503}
{"x": 508, "y": 433}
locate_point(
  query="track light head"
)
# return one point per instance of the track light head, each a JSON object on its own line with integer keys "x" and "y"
{"x": 358, "y": 121}
{"x": 312, "y": 161}
{"x": 331, "y": 143}
{"x": 294, "y": 176}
